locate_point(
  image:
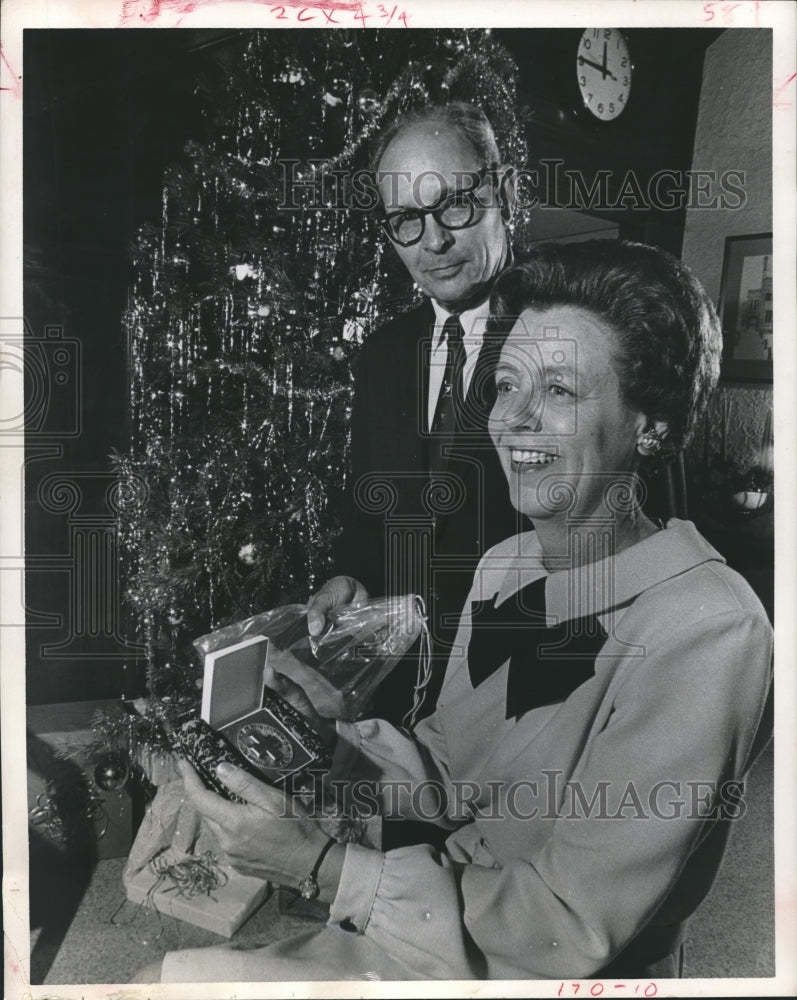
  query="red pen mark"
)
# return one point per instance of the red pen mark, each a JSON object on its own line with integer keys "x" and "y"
{"x": 145, "y": 12}
{"x": 711, "y": 10}
{"x": 16, "y": 87}
{"x": 782, "y": 104}
{"x": 355, "y": 12}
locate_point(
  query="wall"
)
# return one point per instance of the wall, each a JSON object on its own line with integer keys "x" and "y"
{"x": 734, "y": 131}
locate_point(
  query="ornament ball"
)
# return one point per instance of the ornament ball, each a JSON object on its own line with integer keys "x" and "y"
{"x": 248, "y": 553}
{"x": 110, "y": 774}
{"x": 368, "y": 101}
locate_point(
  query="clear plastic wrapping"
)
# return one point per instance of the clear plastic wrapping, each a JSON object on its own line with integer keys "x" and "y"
{"x": 340, "y": 669}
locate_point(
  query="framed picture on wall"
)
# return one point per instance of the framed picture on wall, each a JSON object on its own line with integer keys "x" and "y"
{"x": 745, "y": 309}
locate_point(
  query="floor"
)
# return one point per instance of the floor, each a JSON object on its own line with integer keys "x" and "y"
{"x": 731, "y": 935}
{"x": 733, "y": 932}
{"x": 98, "y": 951}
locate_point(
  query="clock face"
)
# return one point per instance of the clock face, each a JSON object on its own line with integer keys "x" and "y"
{"x": 603, "y": 68}
{"x": 264, "y": 745}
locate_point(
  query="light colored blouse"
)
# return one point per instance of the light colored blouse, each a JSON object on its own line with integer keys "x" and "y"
{"x": 577, "y": 825}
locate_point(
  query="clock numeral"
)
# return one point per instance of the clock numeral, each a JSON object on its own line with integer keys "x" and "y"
{"x": 587, "y": 43}
{"x": 620, "y": 98}
{"x": 600, "y": 108}
{"x": 589, "y": 97}
{"x": 607, "y": 32}
{"x": 611, "y": 107}
{"x": 583, "y": 81}
{"x": 624, "y": 62}
{"x": 625, "y": 81}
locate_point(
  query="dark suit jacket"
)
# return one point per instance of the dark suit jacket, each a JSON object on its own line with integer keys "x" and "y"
{"x": 407, "y": 530}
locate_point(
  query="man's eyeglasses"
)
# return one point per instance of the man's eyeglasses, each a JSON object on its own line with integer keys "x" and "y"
{"x": 456, "y": 211}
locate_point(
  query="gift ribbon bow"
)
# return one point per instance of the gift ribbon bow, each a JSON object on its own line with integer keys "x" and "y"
{"x": 546, "y": 662}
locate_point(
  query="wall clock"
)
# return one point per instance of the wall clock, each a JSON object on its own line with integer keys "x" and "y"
{"x": 603, "y": 68}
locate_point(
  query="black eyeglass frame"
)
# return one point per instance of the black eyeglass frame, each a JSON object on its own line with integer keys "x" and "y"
{"x": 468, "y": 193}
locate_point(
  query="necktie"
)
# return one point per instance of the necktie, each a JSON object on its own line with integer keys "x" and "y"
{"x": 449, "y": 402}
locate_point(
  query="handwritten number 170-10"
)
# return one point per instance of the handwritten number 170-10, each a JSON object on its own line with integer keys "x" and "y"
{"x": 598, "y": 988}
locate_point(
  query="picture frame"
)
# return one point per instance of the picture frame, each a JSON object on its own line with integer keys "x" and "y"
{"x": 745, "y": 309}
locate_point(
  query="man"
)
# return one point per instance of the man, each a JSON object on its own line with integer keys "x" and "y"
{"x": 429, "y": 497}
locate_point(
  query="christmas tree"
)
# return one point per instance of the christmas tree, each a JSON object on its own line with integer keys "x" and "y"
{"x": 252, "y": 295}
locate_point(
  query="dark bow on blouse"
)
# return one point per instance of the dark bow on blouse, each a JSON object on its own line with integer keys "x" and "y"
{"x": 546, "y": 663}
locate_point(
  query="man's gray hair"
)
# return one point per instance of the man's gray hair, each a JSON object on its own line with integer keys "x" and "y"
{"x": 467, "y": 120}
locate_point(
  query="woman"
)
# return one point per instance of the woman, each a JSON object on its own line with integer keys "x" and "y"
{"x": 605, "y": 695}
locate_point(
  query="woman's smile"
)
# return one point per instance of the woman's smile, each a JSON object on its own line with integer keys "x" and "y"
{"x": 525, "y": 460}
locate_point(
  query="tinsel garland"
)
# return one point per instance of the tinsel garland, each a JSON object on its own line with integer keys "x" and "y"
{"x": 139, "y": 738}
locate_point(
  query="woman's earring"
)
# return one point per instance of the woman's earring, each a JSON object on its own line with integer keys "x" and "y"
{"x": 650, "y": 442}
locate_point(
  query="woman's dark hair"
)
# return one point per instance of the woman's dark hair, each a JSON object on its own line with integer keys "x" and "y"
{"x": 669, "y": 339}
{"x": 467, "y": 120}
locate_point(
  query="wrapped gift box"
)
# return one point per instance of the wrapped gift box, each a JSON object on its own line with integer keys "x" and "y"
{"x": 222, "y": 911}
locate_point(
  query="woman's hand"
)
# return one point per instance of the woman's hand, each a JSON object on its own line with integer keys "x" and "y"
{"x": 335, "y": 593}
{"x": 269, "y": 836}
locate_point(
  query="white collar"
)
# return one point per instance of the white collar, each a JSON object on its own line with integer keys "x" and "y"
{"x": 676, "y": 549}
{"x": 469, "y": 319}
